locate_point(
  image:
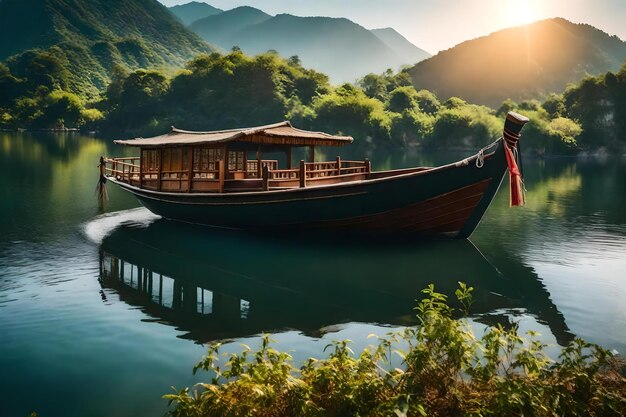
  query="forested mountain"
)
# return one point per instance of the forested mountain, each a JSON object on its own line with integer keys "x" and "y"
{"x": 520, "y": 63}
{"x": 401, "y": 45}
{"x": 338, "y": 47}
{"x": 192, "y": 11}
{"x": 75, "y": 45}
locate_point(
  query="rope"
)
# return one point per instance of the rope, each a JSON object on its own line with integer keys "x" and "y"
{"x": 480, "y": 159}
{"x": 480, "y": 156}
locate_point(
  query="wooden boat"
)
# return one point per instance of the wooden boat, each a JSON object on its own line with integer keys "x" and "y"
{"x": 220, "y": 179}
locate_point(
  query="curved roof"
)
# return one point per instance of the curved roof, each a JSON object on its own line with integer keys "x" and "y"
{"x": 282, "y": 133}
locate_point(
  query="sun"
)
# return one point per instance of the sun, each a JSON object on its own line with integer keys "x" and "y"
{"x": 522, "y": 12}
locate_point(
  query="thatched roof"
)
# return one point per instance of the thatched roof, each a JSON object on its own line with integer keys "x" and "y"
{"x": 276, "y": 134}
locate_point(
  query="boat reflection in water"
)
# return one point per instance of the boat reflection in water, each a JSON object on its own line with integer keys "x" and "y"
{"x": 214, "y": 284}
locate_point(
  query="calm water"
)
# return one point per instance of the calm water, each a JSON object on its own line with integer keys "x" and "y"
{"x": 100, "y": 313}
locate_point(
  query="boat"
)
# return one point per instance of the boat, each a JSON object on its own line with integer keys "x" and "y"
{"x": 220, "y": 179}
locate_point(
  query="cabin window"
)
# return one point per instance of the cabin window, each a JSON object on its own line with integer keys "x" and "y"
{"x": 236, "y": 161}
{"x": 150, "y": 160}
{"x": 205, "y": 162}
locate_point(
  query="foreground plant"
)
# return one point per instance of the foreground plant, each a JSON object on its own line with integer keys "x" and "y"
{"x": 445, "y": 371}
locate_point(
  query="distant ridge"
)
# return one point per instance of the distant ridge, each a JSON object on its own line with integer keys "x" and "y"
{"x": 91, "y": 38}
{"x": 336, "y": 46}
{"x": 520, "y": 63}
{"x": 401, "y": 45}
{"x": 192, "y": 11}
{"x": 219, "y": 29}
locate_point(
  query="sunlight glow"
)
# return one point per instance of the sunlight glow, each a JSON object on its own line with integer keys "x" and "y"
{"x": 522, "y": 12}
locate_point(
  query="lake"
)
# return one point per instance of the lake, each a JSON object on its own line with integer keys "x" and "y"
{"x": 102, "y": 311}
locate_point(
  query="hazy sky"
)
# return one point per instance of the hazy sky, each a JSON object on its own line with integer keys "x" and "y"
{"x": 440, "y": 24}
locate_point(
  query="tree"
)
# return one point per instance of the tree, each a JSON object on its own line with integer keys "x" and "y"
{"x": 61, "y": 109}
{"x": 454, "y": 103}
{"x": 294, "y": 60}
{"x": 506, "y": 106}
{"x": 403, "y": 99}
{"x": 428, "y": 102}
{"x": 554, "y": 105}
{"x": 374, "y": 86}
{"x": 139, "y": 101}
{"x": 348, "y": 110}
{"x": 41, "y": 68}
{"x": 411, "y": 128}
{"x": 10, "y": 86}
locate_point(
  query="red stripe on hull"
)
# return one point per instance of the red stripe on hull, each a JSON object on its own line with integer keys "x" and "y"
{"x": 445, "y": 213}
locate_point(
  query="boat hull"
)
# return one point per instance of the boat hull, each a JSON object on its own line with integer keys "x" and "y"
{"x": 445, "y": 201}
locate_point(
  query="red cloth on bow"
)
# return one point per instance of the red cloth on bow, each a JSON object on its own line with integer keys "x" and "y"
{"x": 515, "y": 178}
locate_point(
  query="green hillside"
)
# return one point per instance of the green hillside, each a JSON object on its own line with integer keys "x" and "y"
{"x": 400, "y": 45}
{"x": 86, "y": 41}
{"x": 338, "y": 47}
{"x": 192, "y": 11}
{"x": 520, "y": 63}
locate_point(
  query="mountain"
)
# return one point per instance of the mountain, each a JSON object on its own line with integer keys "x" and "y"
{"x": 192, "y": 11}
{"x": 219, "y": 29}
{"x": 401, "y": 45}
{"x": 520, "y": 63}
{"x": 338, "y": 47}
{"x": 91, "y": 38}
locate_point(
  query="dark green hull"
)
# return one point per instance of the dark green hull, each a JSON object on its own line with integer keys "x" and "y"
{"x": 449, "y": 200}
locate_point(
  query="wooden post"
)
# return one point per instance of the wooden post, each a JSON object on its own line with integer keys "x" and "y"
{"x": 259, "y": 158}
{"x": 368, "y": 168}
{"x": 221, "y": 174}
{"x": 289, "y": 157}
{"x": 302, "y": 174}
{"x": 266, "y": 178}
{"x": 338, "y": 165}
{"x": 189, "y": 168}
{"x": 245, "y": 164}
{"x": 160, "y": 168}
{"x": 140, "y": 168}
{"x": 311, "y": 153}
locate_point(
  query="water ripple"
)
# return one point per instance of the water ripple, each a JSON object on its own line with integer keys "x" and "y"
{"x": 100, "y": 227}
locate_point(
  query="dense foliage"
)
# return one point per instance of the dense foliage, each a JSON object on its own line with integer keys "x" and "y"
{"x": 217, "y": 91}
{"x": 445, "y": 370}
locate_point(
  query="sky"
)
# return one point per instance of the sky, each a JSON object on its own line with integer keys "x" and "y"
{"x": 435, "y": 25}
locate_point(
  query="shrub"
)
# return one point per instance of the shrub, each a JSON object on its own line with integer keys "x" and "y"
{"x": 446, "y": 371}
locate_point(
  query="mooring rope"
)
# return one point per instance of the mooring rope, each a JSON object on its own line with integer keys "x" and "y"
{"x": 480, "y": 158}
{"x": 101, "y": 190}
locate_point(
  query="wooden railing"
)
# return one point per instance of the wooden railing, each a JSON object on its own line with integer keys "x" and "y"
{"x": 123, "y": 169}
{"x": 265, "y": 176}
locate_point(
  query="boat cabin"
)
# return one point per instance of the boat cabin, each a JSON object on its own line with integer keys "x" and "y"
{"x": 184, "y": 161}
